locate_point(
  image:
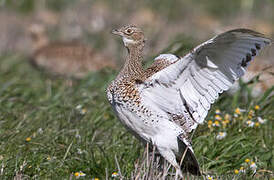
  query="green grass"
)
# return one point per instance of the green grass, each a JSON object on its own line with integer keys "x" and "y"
{"x": 64, "y": 140}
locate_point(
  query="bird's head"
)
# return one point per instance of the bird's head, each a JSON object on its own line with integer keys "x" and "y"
{"x": 36, "y": 31}
{"x": 131, "y": 35}
{"x": 38, "y": 36}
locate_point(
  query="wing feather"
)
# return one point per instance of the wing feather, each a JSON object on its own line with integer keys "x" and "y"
{"x": 189, "y": 85}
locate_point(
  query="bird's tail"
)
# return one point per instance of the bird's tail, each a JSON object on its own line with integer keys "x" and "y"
{"x": 187, "y": 158}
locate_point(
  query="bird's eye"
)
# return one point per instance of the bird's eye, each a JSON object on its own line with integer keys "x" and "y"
{"x": 129, "y": 31}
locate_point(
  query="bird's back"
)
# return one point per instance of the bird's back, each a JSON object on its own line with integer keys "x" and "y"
{"x": 70, "y": 59}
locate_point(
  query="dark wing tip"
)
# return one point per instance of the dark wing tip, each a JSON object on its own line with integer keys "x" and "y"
{"x": 190, "y": 163}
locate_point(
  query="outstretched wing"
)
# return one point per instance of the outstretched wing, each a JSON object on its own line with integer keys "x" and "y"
{"x": 187, "y": 87}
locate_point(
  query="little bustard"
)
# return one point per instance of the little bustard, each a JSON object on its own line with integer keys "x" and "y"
{"x": 163, "y": 104}
{"x": 70, "y": 59}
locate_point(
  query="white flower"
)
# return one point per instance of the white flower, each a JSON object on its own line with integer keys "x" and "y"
{"x": 261, "y": 120}
{"x": 82, "y": 174}
{"x": 114, "y": 175}
{"x": 79, "y": 174}
{"x": 83, "y": 111}
{"x": 217, "y": 111}
{"x": 216, "y": 123}
{"x": 242, "y": 170}
{"x": 79, "y": 106}
{"x": 79, "y": 151}
{"x": 253, "y": 166}
{"x": 208, "y": 177}
{"x": 78, "y": 135}
{"x": 218, "y": 117}
{"x": 40, "y": 131}
{"x": 221, "y": 135}
{"x": 238, "y": 111}
{"x": 250, "y": 123}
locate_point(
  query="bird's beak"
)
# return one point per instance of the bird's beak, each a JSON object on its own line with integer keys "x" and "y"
{"x": 116, "y": 32}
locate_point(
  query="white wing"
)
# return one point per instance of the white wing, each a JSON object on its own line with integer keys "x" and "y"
{"x": 191, "y": 84}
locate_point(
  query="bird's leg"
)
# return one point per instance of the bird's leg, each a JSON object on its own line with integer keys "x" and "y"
{"x": 171, "y": 158}
{"x": 178, "y": 174}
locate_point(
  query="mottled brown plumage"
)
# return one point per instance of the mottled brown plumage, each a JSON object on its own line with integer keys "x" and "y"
{"x": 124, "y": 89}
{"x": 132, "y": 72}
{"x": 157, "y": 66}
{"x": 71, "y": 59}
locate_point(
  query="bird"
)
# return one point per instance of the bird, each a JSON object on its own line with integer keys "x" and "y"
{"x": 69, "y": 59}
{"x": 163, "y": 104}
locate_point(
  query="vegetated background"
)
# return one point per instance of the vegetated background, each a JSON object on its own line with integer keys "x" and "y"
{"x": 50, "y": 130}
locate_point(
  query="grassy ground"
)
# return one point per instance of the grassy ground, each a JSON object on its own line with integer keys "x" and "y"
{"x": 50, "y": 129}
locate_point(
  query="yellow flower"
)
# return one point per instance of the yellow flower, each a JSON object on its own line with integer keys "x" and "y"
{"x": 114, "y": 174}
{"x": 237, "y": 111}
{"x": 225, "y": 122}
{"x": 257, "y": 124}
{"x": 257, "y": 107}
{"x": 247, "y": 160}
{"x": 250, "y": 123}
{"x": 77, "y": 174}
{"x": 83, "y": 111}
{"x": 96, "y": 178}
{"x": 227, "y": 116}
{"x": 209, "y": 123}
{"x": 217, "y": 111}
{"x": 216, "y": 123}
{"x": 218, "y": 117}
{"x": 250, "y": 114}
{"x": 242, "y": 170}
{"x": 236, "y": 171}
{"x": 28, "y": 139}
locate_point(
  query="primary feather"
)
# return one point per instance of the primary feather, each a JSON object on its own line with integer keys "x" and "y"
{"x": 211, "y": 68}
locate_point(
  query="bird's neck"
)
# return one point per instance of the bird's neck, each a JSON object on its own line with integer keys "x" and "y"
{"x": 133, "y": 66}
{"x": 40, "y": 42}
